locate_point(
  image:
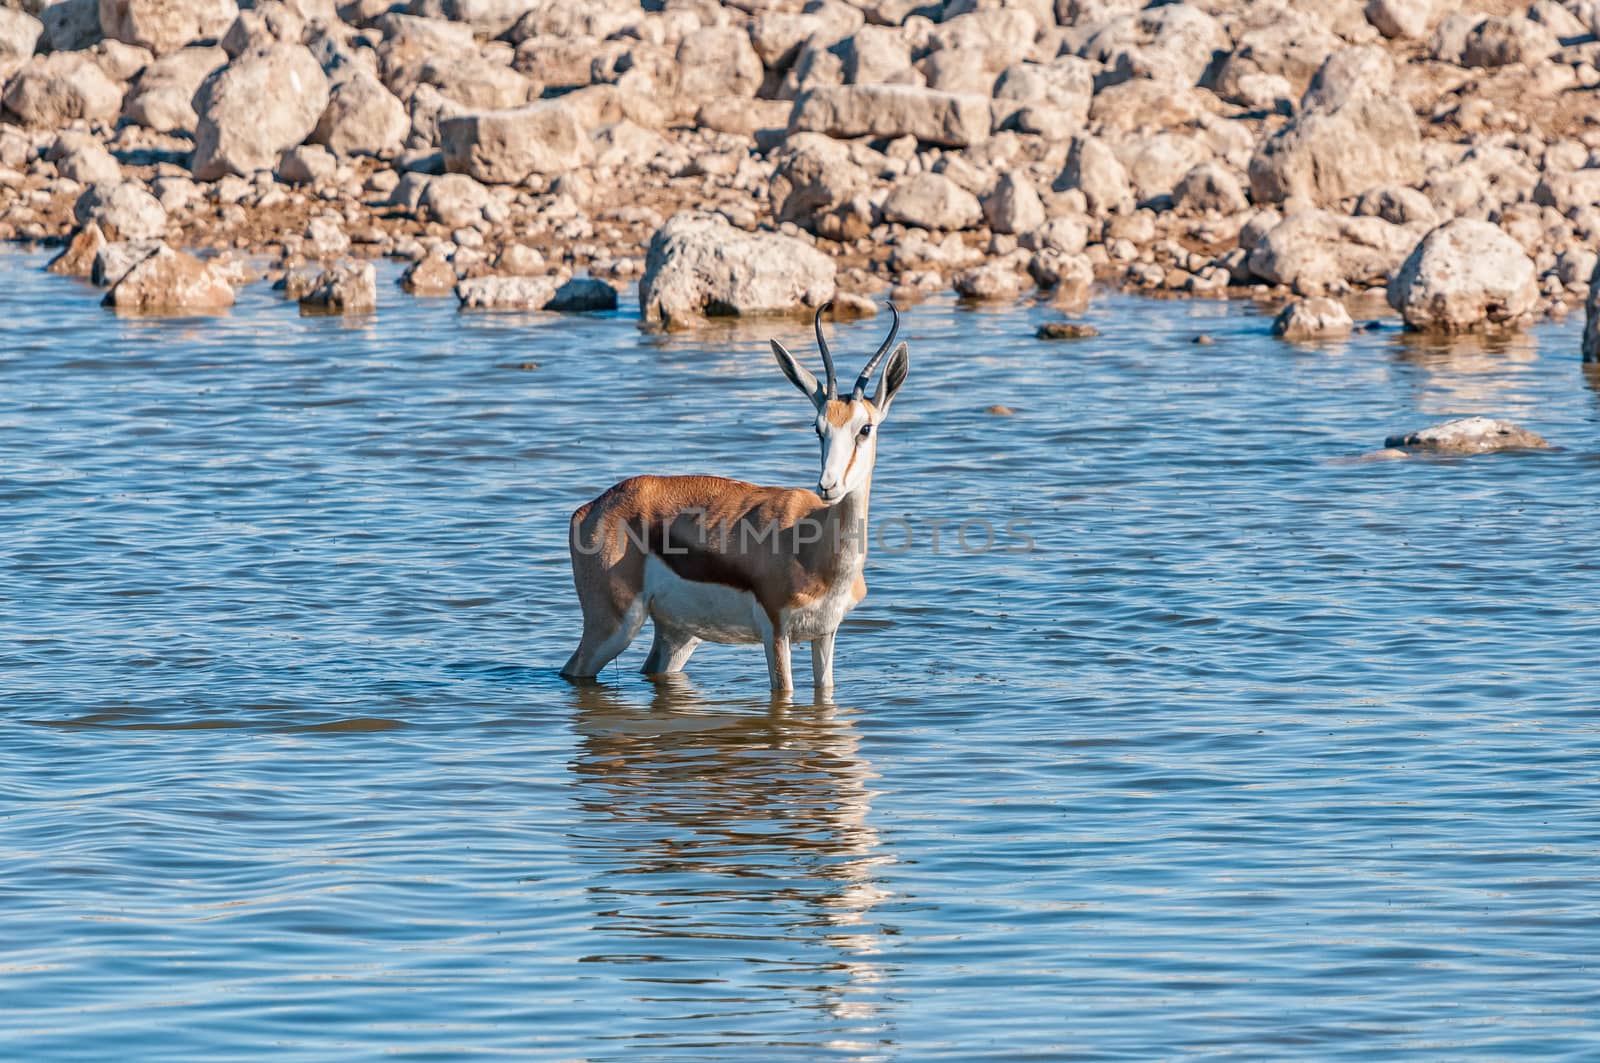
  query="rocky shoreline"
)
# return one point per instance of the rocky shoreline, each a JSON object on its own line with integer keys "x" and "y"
{"x": 764, "y": 156}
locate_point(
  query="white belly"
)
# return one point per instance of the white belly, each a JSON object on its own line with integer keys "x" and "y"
{"x": 719, "y": 613}
{"x": 711, "y": 611}
{"x": 820, "y": 616}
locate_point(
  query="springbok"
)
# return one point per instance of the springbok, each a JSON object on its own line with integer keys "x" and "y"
{"x": 707, "y": 558}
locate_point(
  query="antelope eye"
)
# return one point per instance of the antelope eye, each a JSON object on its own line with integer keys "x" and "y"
{"x": 866, "y": 430}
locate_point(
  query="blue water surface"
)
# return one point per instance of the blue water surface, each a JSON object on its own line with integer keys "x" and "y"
{"x": 1257, "y": 752}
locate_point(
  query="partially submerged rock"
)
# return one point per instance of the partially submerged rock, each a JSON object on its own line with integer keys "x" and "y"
{"x": 78, "y": 258}
{"x": 430, "y": 275}
{"x": 1066, "y": 330}
{"x": 1465, "y": 276}
{"x": 1315, "y": 318}
{"x": 113, "y": 260}
{"x": 172, "y": 282}
{"x": 993, "y": 281}
{"x": 583, "y": 295}
{"x": 346, "y": 288}
{"x": 505, "y": 293}
{"x": 699, "y": 265}
{"x": 1468, "y": 435}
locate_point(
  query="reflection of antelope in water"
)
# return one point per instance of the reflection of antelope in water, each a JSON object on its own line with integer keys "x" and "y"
{"x": 725, "y": 561}
{"x": 748, "y": 831}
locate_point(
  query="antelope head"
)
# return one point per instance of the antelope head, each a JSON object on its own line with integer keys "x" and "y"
{"x": 847, "y": 427}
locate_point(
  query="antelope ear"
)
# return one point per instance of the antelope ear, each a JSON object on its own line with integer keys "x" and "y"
{"x": 894, "y": 374}
{"x": 799, "y": 376}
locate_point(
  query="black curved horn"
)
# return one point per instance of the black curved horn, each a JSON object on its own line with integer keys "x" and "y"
{"x": 827, "y": 356}
{"x": 866, "y": 374}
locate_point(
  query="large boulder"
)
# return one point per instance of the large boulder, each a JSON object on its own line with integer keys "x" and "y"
{"x": 82, "y": 158}
{"x": 476, "y": 83}
{"x": 1397, "y": 204}
{"x": 1400, "y": 19}
{"x": 163, "y": 97}
{"x": 1468, "y": 435}
{"x": 1172, "y": 42}
{"x": 1063, "y": 88}
{"x": 1347, "y": 140}
{"x": 931, "y": 201}
{"x": 814, "y": 174}
{"x": 453, "y": 199}
{"x": 53, "y": 90}
{"x": 261, "y": 26}
{"x": 780, "y": 36}
{"x": 123, "y": 211}
{"x": 946, "y": 119}
{"x": 71, "y": 25}
{"x": 256, "y": 108}
{"x": 166, "y": 25}
{"x": 362, "y": 118}
{"x": 959, "y": 70}
{"x": 875, "y": 54}
{"x": 1093, "y": 169}
{"x": 1291, "y": 49}
{"x": 171, "y": 281}
{"x": 308, "y": 164}
{"x": 1465, "y": 276}
{"x": 1504, "y": 41}
{"x": 1209, "y": 188}
{"x": 1568, "y": 191}
{"x": 488, "y": 18}
{"x": 699, "y": 265}
{"x": 19, "y": 34}
{"x": 1157, "y": 164}
{"x": 410, "y": 42}
{"x": 997, "y": 36}
{"x": 1316, "y": 251}
{"x": 505, "y": 147}
{"x": 1014, "y": 205}
{"x": 718, "y": 62}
